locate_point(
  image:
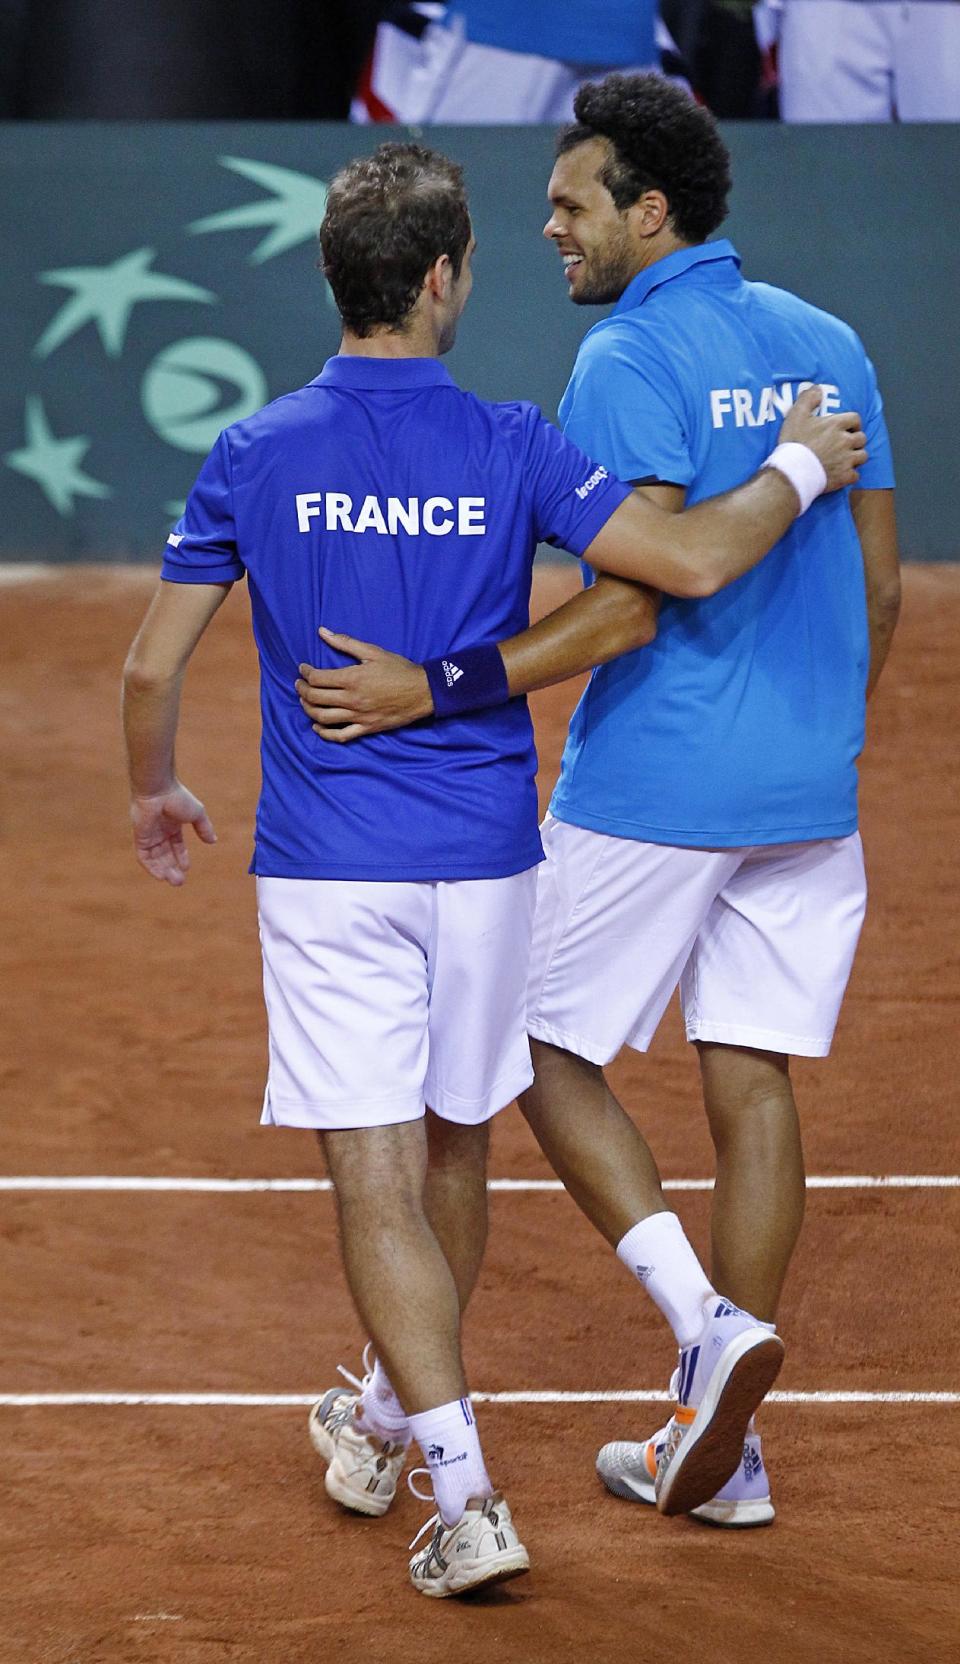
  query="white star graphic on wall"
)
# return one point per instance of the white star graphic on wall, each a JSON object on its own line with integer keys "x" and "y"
{"x": 106, "y": 296}
{"x": 54, "y": 463}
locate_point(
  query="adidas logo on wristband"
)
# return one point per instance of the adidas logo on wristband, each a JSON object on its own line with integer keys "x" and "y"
{"x": 452, "y": 672}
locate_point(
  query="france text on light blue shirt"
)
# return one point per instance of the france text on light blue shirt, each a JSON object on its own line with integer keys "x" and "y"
{"x": 742, "y": 722}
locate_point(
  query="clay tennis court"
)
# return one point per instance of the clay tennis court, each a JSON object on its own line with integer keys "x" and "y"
{"x": 134, "y": 1047}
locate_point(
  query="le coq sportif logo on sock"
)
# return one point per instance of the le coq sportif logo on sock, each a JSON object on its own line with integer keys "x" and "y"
{"x": 435, "y": 1455}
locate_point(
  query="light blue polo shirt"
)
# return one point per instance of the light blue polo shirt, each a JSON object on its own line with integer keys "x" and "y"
{"x": 605, "y": 33}
{"x": 742, "y": 722}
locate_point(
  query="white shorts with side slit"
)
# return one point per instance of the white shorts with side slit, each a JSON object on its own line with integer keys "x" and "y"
{"x": 760, "y": 940}
{"x": 382, "y": 998}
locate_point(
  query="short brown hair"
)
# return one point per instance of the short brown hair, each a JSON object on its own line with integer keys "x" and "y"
{"x": 389, "y": 217}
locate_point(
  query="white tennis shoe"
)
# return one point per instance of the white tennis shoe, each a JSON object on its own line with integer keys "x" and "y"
{"x": 481, "y": 1549}
{"x": 629, "y": 1470}
{"x": 723, "y": 1377}
{"x": 362, "y": 1470}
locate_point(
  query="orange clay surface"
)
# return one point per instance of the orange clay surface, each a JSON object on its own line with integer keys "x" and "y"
{"x": 133, "y": 1043}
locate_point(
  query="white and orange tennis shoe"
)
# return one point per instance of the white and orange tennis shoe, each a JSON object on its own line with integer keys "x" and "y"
{"x": 362, "y": 1470}
{"x": 629, "y": 1470}
{"x": 722, "y": 1379}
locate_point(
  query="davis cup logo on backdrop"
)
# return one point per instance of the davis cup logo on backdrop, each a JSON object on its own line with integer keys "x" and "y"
{"x": 192, "y": 388}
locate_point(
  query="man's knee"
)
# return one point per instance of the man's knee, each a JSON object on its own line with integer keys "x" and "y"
{"x": 451, "y": 1144}
{"x": 738, "y": 1080}
{"x": 556, "y": 1073}
{"x": 379, "y": 1167}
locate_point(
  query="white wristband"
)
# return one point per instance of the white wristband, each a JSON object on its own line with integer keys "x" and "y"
{"x": 803, "y": 468}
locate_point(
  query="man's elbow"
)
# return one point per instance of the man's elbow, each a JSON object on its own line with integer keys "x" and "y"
{"x": 141, "y": 676}
{"x": 696, "y": 585}
{"x": 639, "y": 627}
{"x": 886, "y": 600}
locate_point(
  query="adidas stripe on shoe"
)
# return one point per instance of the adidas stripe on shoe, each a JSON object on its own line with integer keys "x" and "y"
{"x": 629, "y": 1470}
{"x": 723, "y": 1378}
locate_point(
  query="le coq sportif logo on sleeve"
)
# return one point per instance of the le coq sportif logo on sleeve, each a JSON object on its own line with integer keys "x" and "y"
{"x": 591, "y": 484}
{"x": 193, "y": 387}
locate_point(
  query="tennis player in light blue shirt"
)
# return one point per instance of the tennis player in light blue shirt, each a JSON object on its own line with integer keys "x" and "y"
{"x": 703, "y": 831}
{"x": 741, "y": 724}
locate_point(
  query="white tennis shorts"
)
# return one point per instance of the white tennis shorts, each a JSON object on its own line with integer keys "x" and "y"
{"x": 382, "y": 998}
{"x": 760, "y": 940}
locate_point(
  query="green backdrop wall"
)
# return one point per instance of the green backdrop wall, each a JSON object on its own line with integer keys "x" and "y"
{"x": 159, "y": 282}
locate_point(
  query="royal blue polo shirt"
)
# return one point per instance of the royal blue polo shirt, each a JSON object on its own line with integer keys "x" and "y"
{"x": 742, "y": 722}
{"x": 383, "y": 501}
{"x": 606, "y": 33}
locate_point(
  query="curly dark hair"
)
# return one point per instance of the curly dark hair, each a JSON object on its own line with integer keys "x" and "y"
{"x": 661, "y": 141}
{"x": 389, "y": 217}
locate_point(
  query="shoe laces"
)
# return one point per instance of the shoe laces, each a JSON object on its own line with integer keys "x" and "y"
{"x": 343, "y": 1414}
{"x": 434, "y": 1523}
{"x": 366, "y": 1364}
{"x": 411, "y": 1487}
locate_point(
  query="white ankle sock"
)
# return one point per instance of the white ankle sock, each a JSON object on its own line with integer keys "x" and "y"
{"x": 381, "y": 1411}
{"x": 450, "y": 1443}
{"x": 658, "y": 1253}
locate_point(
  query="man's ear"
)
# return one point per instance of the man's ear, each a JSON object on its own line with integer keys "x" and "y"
{"x": 439, "y": 278}
{"x": 649, "y": 214}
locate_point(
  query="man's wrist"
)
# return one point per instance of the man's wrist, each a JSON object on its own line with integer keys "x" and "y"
{"x": 802, "y": 467}
{"x": 469, "y": 680}
{"x": 157, "y": 795}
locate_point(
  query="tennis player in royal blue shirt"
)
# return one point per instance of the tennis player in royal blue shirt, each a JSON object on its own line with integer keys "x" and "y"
{"x": 396, "y": 878}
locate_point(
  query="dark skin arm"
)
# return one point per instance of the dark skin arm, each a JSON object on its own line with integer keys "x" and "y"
{"x": 876, "y": 522}
{"x": 601, "y": 623}
{"x": 693, "y": 554}
{"x": 612, "y": 617}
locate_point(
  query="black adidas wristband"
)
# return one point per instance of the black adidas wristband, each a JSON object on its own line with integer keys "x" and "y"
{"x": 467, "y": 681}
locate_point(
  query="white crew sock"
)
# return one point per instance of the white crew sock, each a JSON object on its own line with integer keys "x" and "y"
{"x": 381, "y": 1411}
{"x": 658, "y": 1253}
{"x": 450, "y": 1443}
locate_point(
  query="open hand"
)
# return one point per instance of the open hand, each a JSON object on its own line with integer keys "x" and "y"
{"x": 838, "y": 440}
{"x": 158, "y": 824}
{"x": 382, "y": 690}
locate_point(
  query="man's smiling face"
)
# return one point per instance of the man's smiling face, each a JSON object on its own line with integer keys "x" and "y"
{"x": 592, "y": 235}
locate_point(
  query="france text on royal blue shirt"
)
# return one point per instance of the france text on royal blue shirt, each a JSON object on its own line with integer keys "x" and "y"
{"x": 382, "y": 501}
{"x": 742, "y": 722}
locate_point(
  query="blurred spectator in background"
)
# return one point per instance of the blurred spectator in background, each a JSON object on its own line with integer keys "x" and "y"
{"x": 870, "y": 60}
{"x": 499, "y": 60}
{"x": 720, "y": 53}
{"x": 470, "y": 60}
{"x": 140, "y": 60}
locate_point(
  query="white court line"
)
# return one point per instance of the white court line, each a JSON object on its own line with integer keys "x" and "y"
{"x": 833, "y": 1181}
{"x": 296, "y": 1400}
